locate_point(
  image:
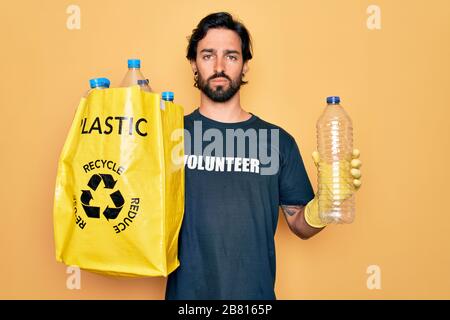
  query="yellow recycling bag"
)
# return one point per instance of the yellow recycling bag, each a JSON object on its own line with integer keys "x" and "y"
{"x": 119, "y": 195}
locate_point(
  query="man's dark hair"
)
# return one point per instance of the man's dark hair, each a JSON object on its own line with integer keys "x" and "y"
{"x": 219, "y": 20}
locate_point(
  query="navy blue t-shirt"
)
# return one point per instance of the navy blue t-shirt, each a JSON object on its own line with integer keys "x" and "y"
{"x": 237, "y": 175}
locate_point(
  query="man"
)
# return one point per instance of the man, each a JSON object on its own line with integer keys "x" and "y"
{"x": 239, "y": 170}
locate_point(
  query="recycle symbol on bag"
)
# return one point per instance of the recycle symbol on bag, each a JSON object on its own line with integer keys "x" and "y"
{"x": 116, "y": 197}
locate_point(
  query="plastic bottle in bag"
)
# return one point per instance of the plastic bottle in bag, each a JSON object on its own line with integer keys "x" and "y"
{"x": 166, "y": 96}
{"x": 134, "y": 76}
{"x": 97, "y": 83}
{"x": 335, "y": 146}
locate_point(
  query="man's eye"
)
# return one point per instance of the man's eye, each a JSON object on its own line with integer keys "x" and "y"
{"x": 207, "y": 57}
{"x": 232, "y": 58}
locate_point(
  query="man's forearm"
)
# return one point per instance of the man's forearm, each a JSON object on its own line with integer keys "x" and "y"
{"x": 295, "y": 216}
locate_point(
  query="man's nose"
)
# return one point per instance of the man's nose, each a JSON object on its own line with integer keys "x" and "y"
{"x": 219, "y": 66}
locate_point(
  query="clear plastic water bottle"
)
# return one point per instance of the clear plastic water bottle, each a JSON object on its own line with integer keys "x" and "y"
{"x": 97, "y": 83}
{"x": 335, "y": 146}
{"x": 134, "y": 76}
{"x": 166, "y": 96}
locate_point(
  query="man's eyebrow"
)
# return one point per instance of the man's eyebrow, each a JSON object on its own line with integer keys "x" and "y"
{"x": 231, "y": 51}
{"x": 213, "y": 51}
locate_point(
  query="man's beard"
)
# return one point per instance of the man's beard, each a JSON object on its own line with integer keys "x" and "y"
{"x": 219, "y": 94}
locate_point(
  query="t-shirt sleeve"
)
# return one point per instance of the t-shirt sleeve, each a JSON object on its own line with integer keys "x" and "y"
{"x": 294, "y": 185}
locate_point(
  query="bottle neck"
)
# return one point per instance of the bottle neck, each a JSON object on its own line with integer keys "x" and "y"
{"x": 334, "y": 106}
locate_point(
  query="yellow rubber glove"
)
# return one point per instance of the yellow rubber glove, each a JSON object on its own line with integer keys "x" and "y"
{"x": 312, "y": 208}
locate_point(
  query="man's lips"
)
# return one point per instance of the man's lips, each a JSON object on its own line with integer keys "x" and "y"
{"x": 219, "y": 80}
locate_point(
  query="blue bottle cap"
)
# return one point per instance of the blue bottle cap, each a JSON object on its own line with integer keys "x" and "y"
{"x": 99, "y": 82}
{"x": 134, "y": 63}
{"x": 167, "y": 95}
{"x": 333, "y": 100}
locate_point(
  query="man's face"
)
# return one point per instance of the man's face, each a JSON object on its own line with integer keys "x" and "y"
{"x": 219, "y": 64}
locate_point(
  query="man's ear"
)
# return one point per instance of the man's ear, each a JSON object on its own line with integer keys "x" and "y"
{"x": 245, "y": 68}
{"x": 194, "y": 66}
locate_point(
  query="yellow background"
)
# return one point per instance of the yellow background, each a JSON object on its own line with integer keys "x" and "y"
{"x": 394, "y": 82}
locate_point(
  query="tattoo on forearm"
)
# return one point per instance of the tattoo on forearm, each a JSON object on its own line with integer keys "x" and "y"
{"x": 291, "y": 210}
